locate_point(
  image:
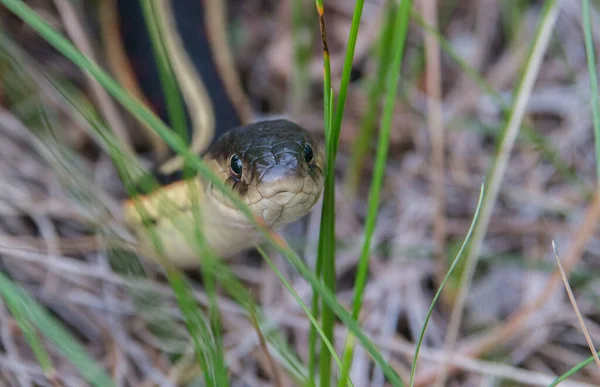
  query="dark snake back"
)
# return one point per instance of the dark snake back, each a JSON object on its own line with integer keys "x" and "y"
{"x": 190, "y": 19}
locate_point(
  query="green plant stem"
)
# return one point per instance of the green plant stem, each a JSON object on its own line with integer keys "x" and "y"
{"x": 326, "y": 247}
{"x": 392, "y": 78}
{"x": 346, "y": 71}
{"x": 33, "y": 340}
{"x": 333, "y": 128}
{"x": 573, "y": 371}
{"x": 591, "y": 62}
{"x": 52, "y": 329}
{"x": 298, "y": 299}
{"x": 446, "y": 277}
{"x": 362, "y": 144}
{"x": 326, "y": 253}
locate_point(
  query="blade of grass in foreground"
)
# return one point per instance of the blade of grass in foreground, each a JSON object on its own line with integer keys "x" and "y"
{"x": 33, "y": 340}
{"x": 325, "y": 265}
{"x": 53, "y": 330}
{"x": 446, "y": 277}
{"x": 573, "y": 371}
{"x": 175, "y": 142}
{"x": 376, "y": 88}
{"x": 393, "y": 76}
{"x": 206, "y": 348}
{"x": 298, "y": 299}
{"x": 333, "y": 125}
{"x": 591, "y": 60}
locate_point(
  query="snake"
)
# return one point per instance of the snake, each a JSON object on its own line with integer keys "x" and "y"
{"x": 275, "y": 167}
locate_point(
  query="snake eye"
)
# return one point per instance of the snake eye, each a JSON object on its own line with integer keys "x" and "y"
{"x": 308, "y": 153}
{"x": 235, "y": 164}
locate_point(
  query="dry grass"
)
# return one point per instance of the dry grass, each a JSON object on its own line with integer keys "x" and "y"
{"x": 518, "y": 326}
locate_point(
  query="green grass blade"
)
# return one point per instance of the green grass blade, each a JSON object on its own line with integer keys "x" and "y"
{"x": 333, "y": 124}
{"x": 325, "y": 265}
{"x": 376, "y": 87}
{"x": 199, "y": 329}
{"x": 33, "y": 340}
{"x": 217, "y": 353}
{"x": 446, "y": 277}
{"x": 53, "y": 330}
{"x": 326, "y": 253}
{"x": 312, "y": 332}
{"x": 346, "y": 71}
{"x": 326, "y": 250}
{"x": 591, "y": 61}
{"x": 392, "y": 78}
{"x": 573, "y": 371}
{"x": 304, "y": 307}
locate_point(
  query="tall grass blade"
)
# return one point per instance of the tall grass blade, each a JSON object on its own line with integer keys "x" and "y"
{"x": 200, "y": 331}
{"x": 325, "y": 265}
{"x": 392, "y": 78}
{"x": 346, "y": 71}
{"x": 304, "y": 307}
{"x": 31, "y": 336}
{"x": 376, "y": 88}
{"x": 573, "y": 370}
{"x": 333, "y": 124}
{"x": 54, "y": 331}
{"x": 446, "y": 277}
{"x": 591, "y": 61}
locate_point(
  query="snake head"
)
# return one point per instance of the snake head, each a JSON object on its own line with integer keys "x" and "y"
{"x": 276, "y": 167}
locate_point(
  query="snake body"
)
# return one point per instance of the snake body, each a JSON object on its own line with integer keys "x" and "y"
{"x": 275, "y": 167}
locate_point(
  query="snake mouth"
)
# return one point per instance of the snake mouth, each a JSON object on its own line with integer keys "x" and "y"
{"x": 286, "y": 199}
{"x": 281, "y": 179}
